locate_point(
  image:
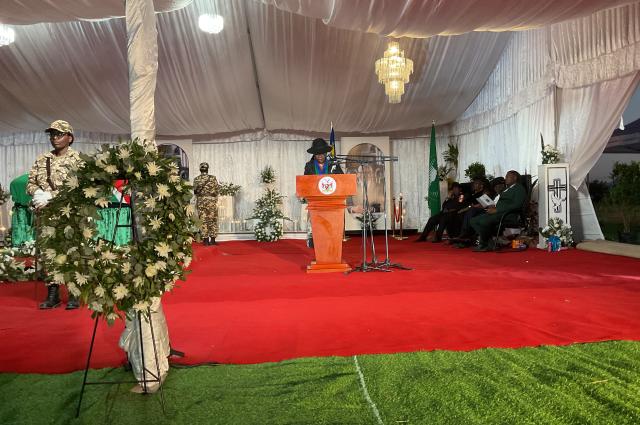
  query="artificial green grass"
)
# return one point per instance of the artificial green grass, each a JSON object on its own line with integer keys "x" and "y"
{"x": 582, "y": 383}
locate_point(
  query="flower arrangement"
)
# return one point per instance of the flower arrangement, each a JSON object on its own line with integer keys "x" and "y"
{"x": 4, "y": 196}
{"x": 229, "y": 189}
{"x": 268, "y": 211}
{"x": 114, "y": 279}
{"x": 267, "y": 175}
{"x": 557, "y": 228}
{"x": 12, "y": 269}
{"x": 550, "y": 155}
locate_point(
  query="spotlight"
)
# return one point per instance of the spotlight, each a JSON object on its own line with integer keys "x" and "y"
{"x": 212, "y": 24}
{"x": 7, "y": 35}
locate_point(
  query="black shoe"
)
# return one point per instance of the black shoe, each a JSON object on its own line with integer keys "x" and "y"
{"x": 205, "y": 241}
{"x": 53, "y": 298}
{"x": 310, "y": 243}
{"x": 212, "y": 241}
{"x": 72, "y": 303}
{"x": 481, "y": 248}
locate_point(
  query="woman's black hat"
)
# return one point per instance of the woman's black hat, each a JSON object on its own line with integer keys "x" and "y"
{"x": 319, "y": 145}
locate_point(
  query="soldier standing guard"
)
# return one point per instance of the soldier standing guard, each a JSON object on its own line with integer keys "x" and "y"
{"x": 206, "y": 189}
{"x": 47, "y": 176}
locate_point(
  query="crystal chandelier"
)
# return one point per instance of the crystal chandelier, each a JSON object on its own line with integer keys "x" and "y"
{"x": 7, "y": 35}
{"x": 393, "y": 71}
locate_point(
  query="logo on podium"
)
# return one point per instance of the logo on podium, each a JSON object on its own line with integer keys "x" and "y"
{"x": 327, "y": 185}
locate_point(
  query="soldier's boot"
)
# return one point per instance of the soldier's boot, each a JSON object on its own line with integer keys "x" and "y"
{"x": 205, "y": 241}
{"x": 72, "y": 303}
{"x": 53, "y": 298}
{"x": 213, "y": 241}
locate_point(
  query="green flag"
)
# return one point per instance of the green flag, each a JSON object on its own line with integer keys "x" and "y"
{"x": 434, "y": 183}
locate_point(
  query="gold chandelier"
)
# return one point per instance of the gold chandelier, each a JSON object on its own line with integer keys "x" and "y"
{"x": 393, "y": 71}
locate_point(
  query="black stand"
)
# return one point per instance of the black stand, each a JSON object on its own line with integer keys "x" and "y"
{"x": 367, "y": 221}
{"x": 154, "y": 377}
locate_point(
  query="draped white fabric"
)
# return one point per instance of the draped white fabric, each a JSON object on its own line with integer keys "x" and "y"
{"x": 309, "y": 75}
{"x": 142, "y": 54}
{"x": 425, "y": 18}
{"x": 78, "y": 71}
{"x": 593, "y": 60}
{"x": 603, "y": 46}
{"x": 587, "y": 117}
{"x": 521, "y": 78}
{"x": 25, "y": 12}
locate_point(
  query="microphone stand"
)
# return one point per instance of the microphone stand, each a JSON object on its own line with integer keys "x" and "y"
{"x": 367, "y": 220}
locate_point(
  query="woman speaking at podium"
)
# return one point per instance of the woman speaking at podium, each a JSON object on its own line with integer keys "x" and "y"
{"x": 319, "y": 163}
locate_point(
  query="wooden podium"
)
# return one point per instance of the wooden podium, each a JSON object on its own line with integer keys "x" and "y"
{"x": 326, "y": 200}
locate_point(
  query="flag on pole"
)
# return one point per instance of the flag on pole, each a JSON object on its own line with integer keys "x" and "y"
{"x": 433, "y": 196}
{"x": 332, "y": 142}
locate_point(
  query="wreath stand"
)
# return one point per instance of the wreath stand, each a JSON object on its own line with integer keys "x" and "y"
{"x": 152, "y": 377}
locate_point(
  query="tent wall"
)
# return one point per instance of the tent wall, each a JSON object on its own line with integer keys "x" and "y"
{"x": 239, "y": 159}
{"x": 569, "y": 82}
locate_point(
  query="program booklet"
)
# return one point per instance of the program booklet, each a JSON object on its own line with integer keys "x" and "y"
{"x": 485, "y": 201}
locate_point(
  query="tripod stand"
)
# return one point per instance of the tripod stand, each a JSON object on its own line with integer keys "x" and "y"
{"x": 367, "y": 213}
{"x": 148, "y": 376}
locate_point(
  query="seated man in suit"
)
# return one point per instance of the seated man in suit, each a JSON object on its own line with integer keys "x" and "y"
{"x": 511, "y": 199}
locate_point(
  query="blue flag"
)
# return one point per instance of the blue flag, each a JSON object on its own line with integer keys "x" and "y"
{"x": 332, "y": 142}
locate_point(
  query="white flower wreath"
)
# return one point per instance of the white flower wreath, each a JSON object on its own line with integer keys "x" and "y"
{"x": 113, "y": 279}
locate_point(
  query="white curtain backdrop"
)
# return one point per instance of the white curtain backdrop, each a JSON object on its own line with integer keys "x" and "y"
{"x": 593, "y": 61}
{"x": 411, "y": 18}
{"x": 587, "y": 117}
{"x": 25, "y": 12}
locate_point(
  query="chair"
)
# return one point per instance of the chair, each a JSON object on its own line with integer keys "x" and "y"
{"x": 515, "y": 222}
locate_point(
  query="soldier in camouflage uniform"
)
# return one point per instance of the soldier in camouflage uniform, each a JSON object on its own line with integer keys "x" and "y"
{"x": 206, "y": 189}
{"x": 46, "y": 178}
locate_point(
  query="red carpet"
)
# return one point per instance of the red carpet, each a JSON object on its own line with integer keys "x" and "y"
{"x": 249, "y": 302}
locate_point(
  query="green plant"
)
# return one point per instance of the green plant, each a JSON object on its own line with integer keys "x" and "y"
{"x": 229, "y": 189}
{"x": 268, "y": 211}
{"x": 450, "y": 156}
{"x": 267, "y": 175}
{"x": 443, "y": 172}
{"x": 598, "y": 190}
{"x": 624, "y": 196}
{"x": 475, "y": 170}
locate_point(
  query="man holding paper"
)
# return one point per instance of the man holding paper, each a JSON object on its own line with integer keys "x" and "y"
{"x": 511, "y": 199}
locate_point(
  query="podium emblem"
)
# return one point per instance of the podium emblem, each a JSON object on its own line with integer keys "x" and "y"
{"x": 327, "y": 185}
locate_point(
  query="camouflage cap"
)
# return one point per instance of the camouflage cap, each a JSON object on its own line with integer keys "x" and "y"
{"x": 204, "y": 164}
{"x": 61, "y": 126}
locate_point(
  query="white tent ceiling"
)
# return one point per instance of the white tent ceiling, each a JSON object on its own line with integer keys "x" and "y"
{"x": 269, "y": 68}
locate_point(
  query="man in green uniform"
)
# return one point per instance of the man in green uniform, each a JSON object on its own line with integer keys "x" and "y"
{"x": 206, "y": 189}
{"x": 21, "y": 224}
{"x": 46, "y": 178}
{"x": 510, "y": 200}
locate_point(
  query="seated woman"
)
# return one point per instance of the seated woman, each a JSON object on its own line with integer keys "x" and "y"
{"x": 446, "y": 218}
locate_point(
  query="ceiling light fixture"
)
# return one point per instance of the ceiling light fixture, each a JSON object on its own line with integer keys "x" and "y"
{"x": 393, "y": 70}
{"x": 7, "y": 35}
{"x": 212, "y": 24}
